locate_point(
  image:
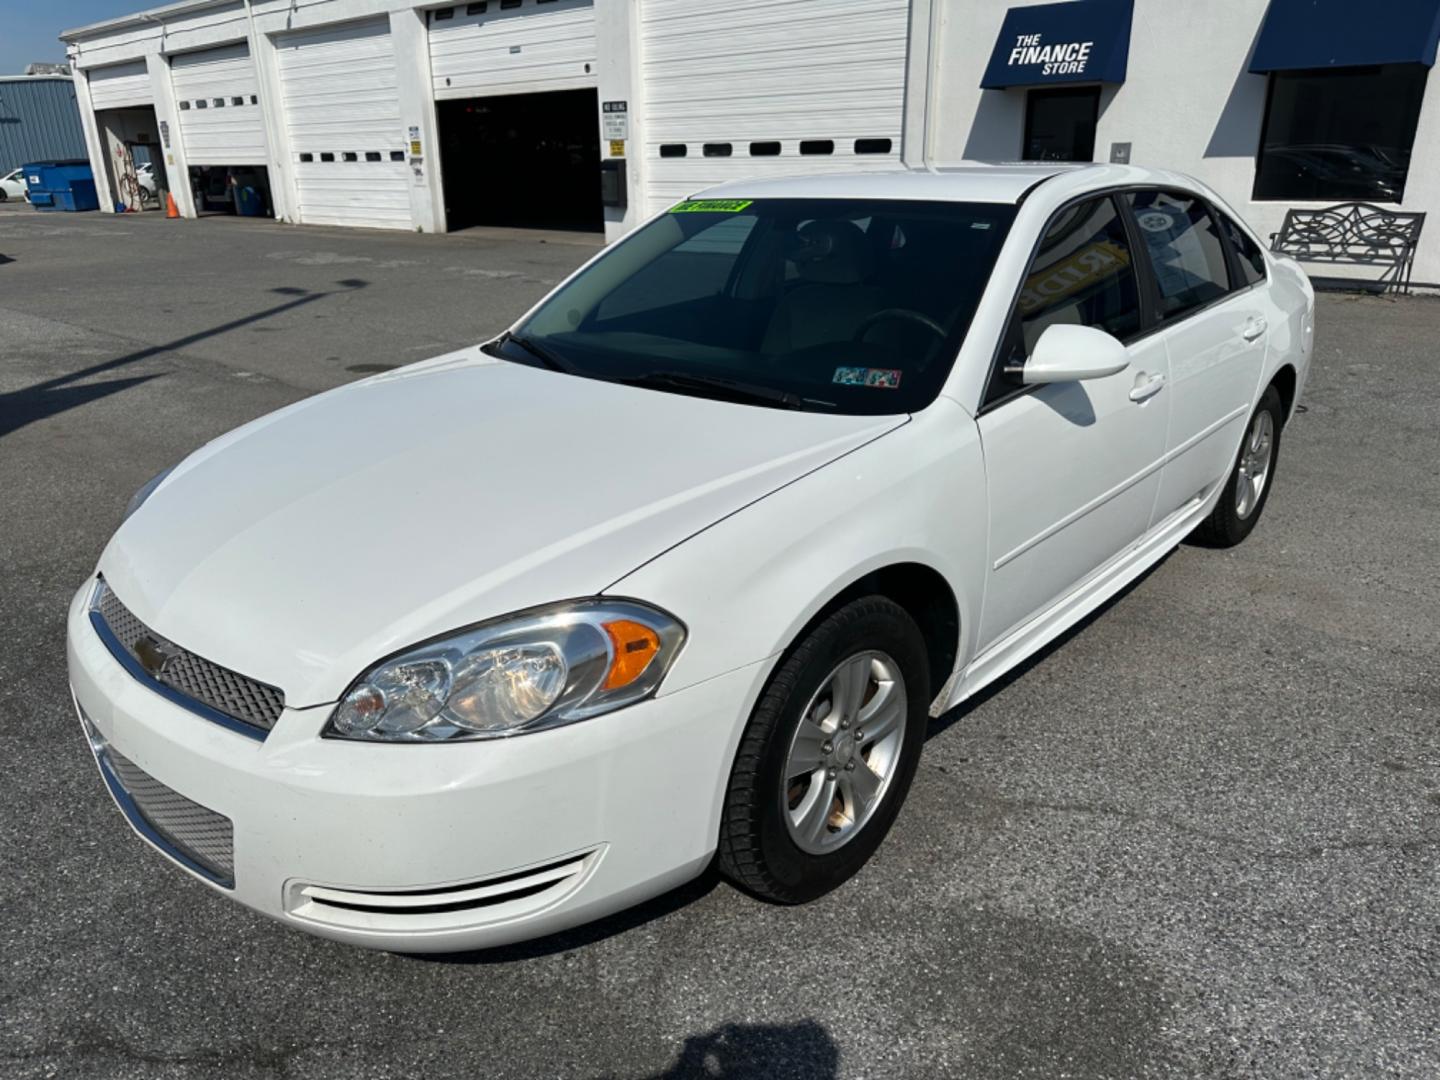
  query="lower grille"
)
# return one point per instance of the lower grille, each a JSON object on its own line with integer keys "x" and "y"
{"x": 193, "y": 835}
{"x": 197, "y": 683}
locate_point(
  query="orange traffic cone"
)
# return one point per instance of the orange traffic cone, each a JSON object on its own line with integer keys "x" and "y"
{"x": 170, "y": 209}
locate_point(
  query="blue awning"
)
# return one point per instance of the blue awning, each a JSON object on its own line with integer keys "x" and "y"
{"x": 1077, "y": 41}
{"x": 1300, "y": 34}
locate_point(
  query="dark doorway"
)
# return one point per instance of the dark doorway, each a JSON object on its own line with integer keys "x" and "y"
{"x": 1060, "y": 124}
{"x": 242, "y": 190}
{"x": 529, "y": 160}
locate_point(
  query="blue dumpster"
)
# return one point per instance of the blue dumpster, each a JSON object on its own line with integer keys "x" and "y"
{"x": 61, "y": 185}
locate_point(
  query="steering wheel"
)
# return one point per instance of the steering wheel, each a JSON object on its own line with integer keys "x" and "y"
{"x": 906, "y": 314}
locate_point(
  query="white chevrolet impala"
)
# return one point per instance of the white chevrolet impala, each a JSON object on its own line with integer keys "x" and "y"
{"x": 677, "y": 568}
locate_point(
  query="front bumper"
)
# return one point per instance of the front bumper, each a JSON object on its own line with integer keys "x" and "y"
{"x": 425, "y": 848}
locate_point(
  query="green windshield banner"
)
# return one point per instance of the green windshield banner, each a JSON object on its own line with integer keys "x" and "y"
{"x": 711, "y": 206}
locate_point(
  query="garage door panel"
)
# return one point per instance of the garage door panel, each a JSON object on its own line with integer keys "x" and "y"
{"x": 341, "y": 97}
{"x": 770, "y": 70}
{"x": 232, "y": 133}
{"x": 531, "y": 48}
{"x": 120, "y": 86}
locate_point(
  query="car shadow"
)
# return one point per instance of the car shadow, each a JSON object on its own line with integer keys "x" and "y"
{"x": 53, "y": 396}
{"x": 803, "y": 1050}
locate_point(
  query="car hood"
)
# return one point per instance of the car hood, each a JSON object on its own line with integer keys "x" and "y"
{"x": 304, "y": 546}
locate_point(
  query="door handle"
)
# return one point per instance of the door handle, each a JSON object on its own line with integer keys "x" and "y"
{"x": 1254, "y": 328}
{"x": 1143, "y": 391}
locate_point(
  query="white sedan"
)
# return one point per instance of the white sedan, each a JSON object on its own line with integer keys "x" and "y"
{"x": 12, "y": 185}
{"x": 678, "y": 568}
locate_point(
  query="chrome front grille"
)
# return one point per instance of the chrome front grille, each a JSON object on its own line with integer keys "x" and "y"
{"x": 194, "y": 680}
{"x": 195, "y": 834}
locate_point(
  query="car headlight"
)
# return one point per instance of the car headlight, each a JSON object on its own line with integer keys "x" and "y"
{"x": 526, "y": 672}
{"x": 146, "y": 490}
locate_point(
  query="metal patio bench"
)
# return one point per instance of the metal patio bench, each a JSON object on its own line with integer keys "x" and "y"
{"x": 1355, "y": 234}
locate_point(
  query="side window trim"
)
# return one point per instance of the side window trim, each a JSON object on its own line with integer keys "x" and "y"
{"x": 1149, "y": 286}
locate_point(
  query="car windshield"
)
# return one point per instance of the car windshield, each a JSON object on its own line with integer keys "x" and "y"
{"x": 830, "y": 305}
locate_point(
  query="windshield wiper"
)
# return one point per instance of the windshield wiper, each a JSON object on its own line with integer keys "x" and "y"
{"x": 546, "y": 357}
{"x": 717, "y": 387}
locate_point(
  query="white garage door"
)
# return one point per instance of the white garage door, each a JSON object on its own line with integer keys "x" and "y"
{"x": 769, "y": 88}
{"x": 494, "y": 48}
{"x": 216, "y": 91}
{"x": 342, "y": 122}
{"x": 120, "y": 86}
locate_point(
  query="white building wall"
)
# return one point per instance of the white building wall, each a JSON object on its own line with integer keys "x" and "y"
{"x": 1188, "y": 103}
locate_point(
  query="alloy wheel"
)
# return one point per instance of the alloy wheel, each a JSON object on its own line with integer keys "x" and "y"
{"x": 844, "y": 753}
{"x": 1255, "y": 460}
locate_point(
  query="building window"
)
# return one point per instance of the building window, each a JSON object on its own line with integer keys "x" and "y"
{"x": 717, "y": 149}
{"x": 219, "y": 103}
{"x": 764, "y": 149}
{"x": 444, "y": 13}
{"x": 1060, "y": 124}
{"x": 372, "y": 155}
{"x": 872, "y": 146}
{"x": 237, "y": 101}
{"x": 350, "y": 155}
{"x": 817, "y": 146}
{"x": 673, "y": 150}
{"x": 397, "y": 155}
{"x": 184, "y": 106}
{"x": 475, "y": 9}
{"x": 1339, "y": 134}
{"x": 327, "y": 157}
{"x": 307, "y": 157}
{"x": 201, "y": 103}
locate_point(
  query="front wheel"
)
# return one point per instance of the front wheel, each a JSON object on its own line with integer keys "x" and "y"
{"x": 1247, "y": 489}
{"x": 828, "y": 755}
{"x": 4, "y": 195}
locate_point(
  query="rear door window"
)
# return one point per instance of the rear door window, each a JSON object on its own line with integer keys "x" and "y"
{"x": 1185, "y": 248}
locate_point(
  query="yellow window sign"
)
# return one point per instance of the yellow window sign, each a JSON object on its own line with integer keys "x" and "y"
{"x": 711, "y": 206}
{"x": 617, "y": 147}
{"x": 1071, "y": 275}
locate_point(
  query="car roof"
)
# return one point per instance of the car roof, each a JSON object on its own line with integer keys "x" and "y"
{"x": 985, "y": 182}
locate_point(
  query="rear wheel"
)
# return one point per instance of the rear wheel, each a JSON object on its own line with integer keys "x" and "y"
{"x": 828, "y": 755}
{"x": 1248, "y": 487}
{"x": 3, "y": 195}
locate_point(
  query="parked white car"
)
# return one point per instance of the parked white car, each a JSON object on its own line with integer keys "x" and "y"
{"x": 679, "y": 567}
{"x": 12, "y": 185}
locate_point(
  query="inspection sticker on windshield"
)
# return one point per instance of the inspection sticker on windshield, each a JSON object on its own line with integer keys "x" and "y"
{"x": 711, "y": 206}
{"x": 873, "y": 377}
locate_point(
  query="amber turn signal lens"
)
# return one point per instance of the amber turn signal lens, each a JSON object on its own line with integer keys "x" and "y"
{"x": 635, "y": 646}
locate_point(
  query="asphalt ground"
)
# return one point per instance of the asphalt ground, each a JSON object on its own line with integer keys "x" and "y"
{"x": 1197, "y": 837}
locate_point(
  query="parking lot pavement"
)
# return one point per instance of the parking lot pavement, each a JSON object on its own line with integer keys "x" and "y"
{"x": 1198, "y": 837}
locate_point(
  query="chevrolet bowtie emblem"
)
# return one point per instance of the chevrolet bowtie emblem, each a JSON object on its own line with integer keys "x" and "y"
{"x": 154, "y": 654}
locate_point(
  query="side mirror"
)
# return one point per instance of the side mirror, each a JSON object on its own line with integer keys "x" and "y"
{"x": 1066, "y": 352}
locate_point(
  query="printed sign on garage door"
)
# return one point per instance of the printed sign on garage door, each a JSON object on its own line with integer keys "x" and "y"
{"x": 342, "y": 123}
{"x": 756, "y": 87}
{"x": 218, "y": 99}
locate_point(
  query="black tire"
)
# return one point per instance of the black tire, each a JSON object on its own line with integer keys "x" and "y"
{"x": 756, "y": 850}
{"x": 4, "y": 195}
{"x": 1225, "y": 527}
